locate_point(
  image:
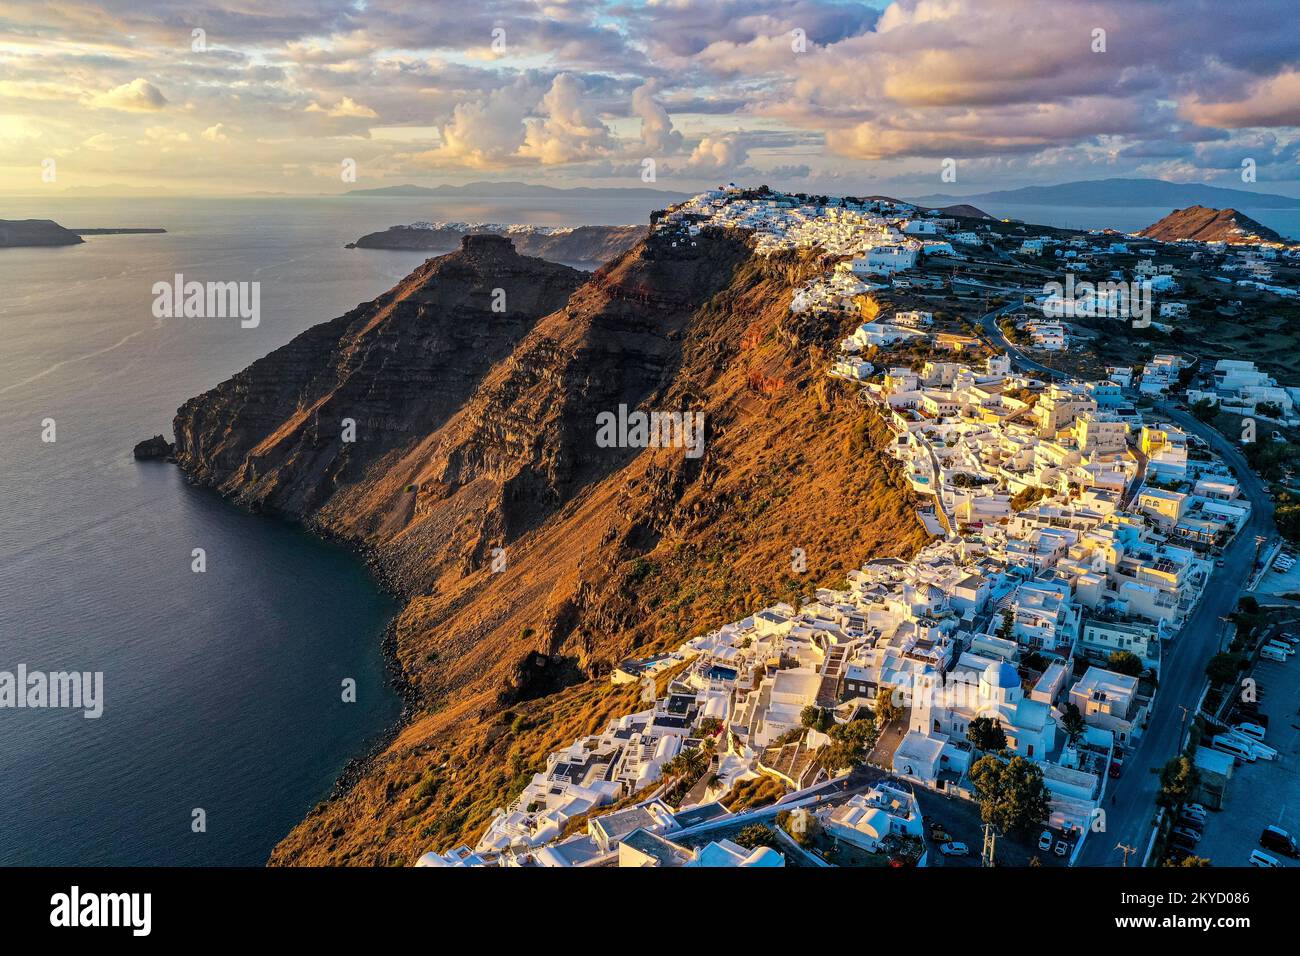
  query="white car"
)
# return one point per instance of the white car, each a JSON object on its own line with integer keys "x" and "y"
{"x": 955, "y": 849}
{"x": 1260, "y": 858}
{"x": 1045, "y": 840}
{"x": 1251, "y": 730}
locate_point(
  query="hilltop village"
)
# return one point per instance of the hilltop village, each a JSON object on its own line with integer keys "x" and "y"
{"x": 980, "y": 701}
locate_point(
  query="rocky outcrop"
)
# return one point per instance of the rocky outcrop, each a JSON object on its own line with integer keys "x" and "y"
{"x": 154, "y": 448}
{"x": 35, "y": 232}
{"x": 583, "y": 245}
{"x": 1203, "y": 224}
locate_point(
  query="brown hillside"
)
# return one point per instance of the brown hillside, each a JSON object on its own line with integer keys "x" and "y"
{"x": 1203, "y": 224}
{"x": 608, "y": 552}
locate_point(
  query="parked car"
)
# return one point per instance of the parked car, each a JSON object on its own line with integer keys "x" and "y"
{"x": 1250, "y": 730}
{"x": 1239, "y": 751}
{"x": 938, "y": 834}
{"x": 1062, "y": 848}
{"x": 1182, "y": 843}
{"x": 1188, "y": 833}
{"x": 1272, "y": 654}
{"x": 1116, "y": 768}
{"x": 1195, "y": 810}
{"x": 1045, "y": 840}
{"x": 1275, "y": 838}
{"x": 1191, "y": 823}
{"x": 1260, "y": 858}
{"x": 955, "y": 849}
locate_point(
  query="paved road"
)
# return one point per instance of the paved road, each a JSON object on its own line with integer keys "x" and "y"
{"x": 1130, "y": 808}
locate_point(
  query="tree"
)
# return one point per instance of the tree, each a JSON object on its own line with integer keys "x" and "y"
{"x": 886, "y": 710}
{"x": 1072, "y": 723}
{"x": 862, "y": 733}
{"x": 708, "y": 727}
{"x": 1008, "y": 623}
{"x": 1189, "y": 861}
{"x": 755, "y": 835}
{"x": 815, "y": 718}
{"x": 1126, "y": 662}
{"x": 840, "y": 755}
{"x": 986, "y": 734}
{"x": 1206, "y": 409}
{"x": 1178, "y": 783}
{"x": 1223, "y": 668}
{"x": 1011, "y": 793}
{"x": 689, "y": 764}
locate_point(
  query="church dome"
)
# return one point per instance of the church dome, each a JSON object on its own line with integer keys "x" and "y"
{"x": 1001, "y": 675}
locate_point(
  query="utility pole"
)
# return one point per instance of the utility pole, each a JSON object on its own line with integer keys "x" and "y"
{"x": 990, "y": 840}
{"x": 1126, "y": 850}
{"x": 1182, "y": 725}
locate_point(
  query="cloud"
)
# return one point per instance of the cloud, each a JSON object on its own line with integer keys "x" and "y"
{"x": 138, "y": 96}
{"x": 345, "y": 108}
{"x": 657, "y": 131}
{"x": 725, "y": 151}
{"x": 568, "y": 129}
{"x": 486, "y": 132}
{"x": 1274, "y": 101}
{"x": 714, "y": 88}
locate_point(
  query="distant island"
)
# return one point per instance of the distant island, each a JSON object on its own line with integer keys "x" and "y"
{"x": 514, "y": 190}
{"x": 581, "y": 244}
{"x": 15, "y": 233}
{"x": 1203, "y": 224}
{"x": 35, "y": 232}
{"x": 1123, "y": 192}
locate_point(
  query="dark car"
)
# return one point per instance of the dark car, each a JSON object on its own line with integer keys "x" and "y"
{"x": 1183, "y": 844}
{"x": 1275, "y": 838}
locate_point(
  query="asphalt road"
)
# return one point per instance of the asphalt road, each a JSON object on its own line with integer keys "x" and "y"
{"x": 1130, "y": 803}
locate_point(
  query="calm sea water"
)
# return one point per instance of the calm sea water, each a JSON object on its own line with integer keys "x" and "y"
{"x": 1285, "y": 222}
{"x": 222, "y": 689}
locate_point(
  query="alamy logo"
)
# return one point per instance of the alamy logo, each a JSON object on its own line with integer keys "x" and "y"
{"x": 74, "y": 690}
{"x": 1114, "y": 300}
{"x": 179, "y": 299}
{"x": 74, "y": 908}
{"x": 640, "y": 429}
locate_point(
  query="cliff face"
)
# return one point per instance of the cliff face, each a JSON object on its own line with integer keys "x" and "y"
{"x": 275, "y": 435}
{"x": 592, "y": 245}
{"x": 1209, "y": 225}
{"x": 464, "y": 449}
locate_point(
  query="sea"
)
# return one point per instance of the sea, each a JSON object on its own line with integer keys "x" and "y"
{"x": 223, "y": 713}
{"x": 1286, "y": 222}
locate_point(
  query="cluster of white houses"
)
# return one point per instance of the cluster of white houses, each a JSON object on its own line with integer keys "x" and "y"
{"x": 1011, "y": 615}
{"x": 879, "y": 237}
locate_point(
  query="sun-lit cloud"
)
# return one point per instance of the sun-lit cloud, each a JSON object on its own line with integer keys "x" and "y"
{"x": 138, "y": 96}
{"x": 819, "y": 91}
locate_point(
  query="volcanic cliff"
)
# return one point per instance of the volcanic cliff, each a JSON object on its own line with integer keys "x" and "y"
{"x": 531, "y": 559}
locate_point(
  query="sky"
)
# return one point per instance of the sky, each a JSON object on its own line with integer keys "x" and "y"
{"x": 214, "y": 97}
